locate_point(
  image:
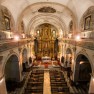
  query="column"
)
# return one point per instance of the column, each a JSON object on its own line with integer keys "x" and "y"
{"x": 91, "y": 87}
{"x": 20, "y": 64}
{"x": 2, "y": 86}
{"x": 2, "y": 78}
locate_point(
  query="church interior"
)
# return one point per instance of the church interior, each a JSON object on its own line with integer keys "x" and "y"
{"x": 46, "y": 46}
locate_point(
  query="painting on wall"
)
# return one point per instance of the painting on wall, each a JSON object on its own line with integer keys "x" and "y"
{"x": 87, "y": 24}
{"x": 7, "y": 23}
{"x": 47, "y": 10}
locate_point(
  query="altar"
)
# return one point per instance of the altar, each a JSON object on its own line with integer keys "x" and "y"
{"x": 46, "y": 59}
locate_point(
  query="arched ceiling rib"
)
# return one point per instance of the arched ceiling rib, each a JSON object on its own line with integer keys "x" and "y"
{"x": 40, "y": 19}
{"x": 62, "y": 14}
{"x": 47, "y": 18}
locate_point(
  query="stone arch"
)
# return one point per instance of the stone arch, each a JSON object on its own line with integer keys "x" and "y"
{"x": 83, "y": 52}
{"x": 55, "y": 21}
{"x": 7, "y": 57}
{"x": 11, "y": 71}
{"x": 83, "y": 69}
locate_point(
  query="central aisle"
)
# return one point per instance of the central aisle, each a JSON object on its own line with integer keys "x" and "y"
{"x": 47, "y": 87}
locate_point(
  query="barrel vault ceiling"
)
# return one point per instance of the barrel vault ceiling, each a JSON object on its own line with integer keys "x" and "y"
{"x": 56, "y": 12}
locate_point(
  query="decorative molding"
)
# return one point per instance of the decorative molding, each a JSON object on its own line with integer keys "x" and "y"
{"x": 19, "y": 49}
{"x": 85, "y": 44}
{"x": 10, "y": 45}
{"x": 47, "y": 10}
{"x": 83, "y": 50}
{"x": 11, "y": 51}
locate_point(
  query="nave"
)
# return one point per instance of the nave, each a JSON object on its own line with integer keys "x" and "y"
{"x": 48, "y": 80}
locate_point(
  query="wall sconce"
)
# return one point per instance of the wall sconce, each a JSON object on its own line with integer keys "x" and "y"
{"x": 16, "y": 38}
{"x": 77, "y": 38}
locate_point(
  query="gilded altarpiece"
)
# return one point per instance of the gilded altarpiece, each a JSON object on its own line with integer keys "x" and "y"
{"x": 46, "y": 37}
